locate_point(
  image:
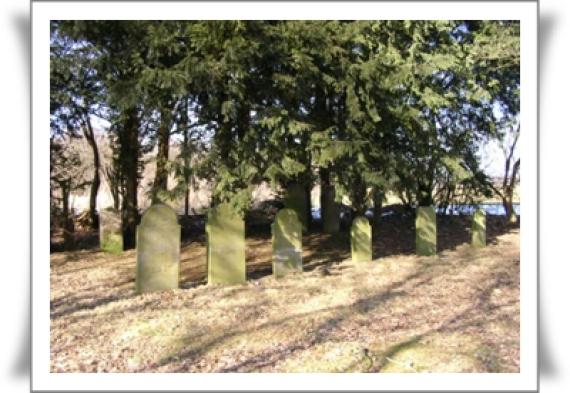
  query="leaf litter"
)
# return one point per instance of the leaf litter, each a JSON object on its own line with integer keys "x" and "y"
{"x": 454, "y": 312}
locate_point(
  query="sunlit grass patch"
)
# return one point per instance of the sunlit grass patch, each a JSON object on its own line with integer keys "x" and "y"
{"x": 454, "y": 312}
{"x": 443, "y": 353}
{"x": 328, "y": 357}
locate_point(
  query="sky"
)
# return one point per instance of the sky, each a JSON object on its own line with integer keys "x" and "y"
{"x": 492, "y": 159}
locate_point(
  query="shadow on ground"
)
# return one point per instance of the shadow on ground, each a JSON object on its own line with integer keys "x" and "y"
{"x": 480, "y": 313}
{"x": 393, "y": 235}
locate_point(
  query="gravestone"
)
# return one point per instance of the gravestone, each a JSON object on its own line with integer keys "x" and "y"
{"x": 426, "y": 231}
{"x": 361, "y": 240}
{"x": 296, "y": 198}
{"x": 479, "y": 229}
{"x": 225, "y": 231}
{"x": 158, "y": 250}
{"x": 330, "y": 210}
{"x": 287, "y": 240}
{"x": 110, "y": 231}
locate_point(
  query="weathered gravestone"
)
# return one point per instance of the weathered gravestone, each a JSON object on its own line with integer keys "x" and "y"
{"x": 287, "y": 238}
{"x": 479, "y": 229}
{"x": 426, "y": 231}
{"x": 110, "y": 231}
{"x": 225, "y": 231}
{"x": 296, "y": 198}
{"x": 330, "y": 210}
{"x": 158, "y": 250}
{"x": 361, "y": 240}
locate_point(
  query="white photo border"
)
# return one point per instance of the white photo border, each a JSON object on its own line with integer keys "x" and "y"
{"x": 44, "y": 11}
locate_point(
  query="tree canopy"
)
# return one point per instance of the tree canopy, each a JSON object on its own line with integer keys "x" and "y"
{"x": 369, "y": 106}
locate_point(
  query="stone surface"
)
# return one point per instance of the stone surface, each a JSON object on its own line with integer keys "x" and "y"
{"x": 361, "y": 240}
{"x": 287, "y": 242}
{"x": 296, "y": 199}
{"x": 479, "y": 229}
{"x": 225, "y": 232}
{"x": 330, "y": 211}
{"x": 110, "y": 231}
{"x": 158, "y": 250}
{"x": 426, "y": 231}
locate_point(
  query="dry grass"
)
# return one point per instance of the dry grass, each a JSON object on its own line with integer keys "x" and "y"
{"x": 455, "y": 312}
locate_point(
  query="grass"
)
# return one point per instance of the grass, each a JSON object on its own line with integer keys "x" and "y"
{"x": 457, "y": 311}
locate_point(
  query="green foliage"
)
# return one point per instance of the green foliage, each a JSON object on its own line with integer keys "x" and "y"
{"x": 380, "y": 105}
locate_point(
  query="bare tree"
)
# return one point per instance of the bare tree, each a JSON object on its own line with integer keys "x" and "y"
{"x": 68, "y": 175}
{"x": 511, "y": 173}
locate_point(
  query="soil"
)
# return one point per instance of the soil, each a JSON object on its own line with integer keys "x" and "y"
{"x": 457, "y": 311}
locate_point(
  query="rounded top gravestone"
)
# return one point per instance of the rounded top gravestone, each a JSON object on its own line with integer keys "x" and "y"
{"x": 288, "y": 226}
{"x": 158, "y": 250}
{"x": 159, "y": 215}
{"x": 110, "y": 230}
{"x": 426, "y": 231}
{"x": 287, "y": 243}
{"x": 361, "y": 240}
{"x": 478, "y": 229}
{"x": 225, "y": 233}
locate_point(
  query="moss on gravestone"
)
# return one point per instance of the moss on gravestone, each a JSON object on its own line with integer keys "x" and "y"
{"x": 426, "y": 231}
{"x": 361, "y": 240}
{"x": 110, "y": 231}
{"x": 225, "y": 231}
{"x": 479, "y": 229}
{"x": 287, "y": 240}
{"x": 158, "y": 250}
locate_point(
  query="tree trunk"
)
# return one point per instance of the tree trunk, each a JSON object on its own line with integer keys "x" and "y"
{"x": 129, "y": 158}
{"x": 359, "y": 197}
{"x": 116, "y": 193}
{"x": 378, "y": 199}
{"x": 186, "y": 152}
{"x": 161, "y": 177}
{"x": 68, "y": 227}
{"x": 324, "y": 175}
{"x": 425, "y": 185}
{"x": 90, "y": 136}
{"x": 425, "y": 197}
{"x": 114, "y": 181}
{"x": 359, "y": 204}
{"x": 507, "y": 206}
{"x": 187, "y": 201}
{"x": 508, "y": 200}
{"x": 510, "y": 179}
{"x": 308, "y": 189}
{"x": 113, "y": 176}
{"x": 330, "y": 209}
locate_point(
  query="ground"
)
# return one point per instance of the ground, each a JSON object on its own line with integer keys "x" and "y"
{"x": 455, "y": 312}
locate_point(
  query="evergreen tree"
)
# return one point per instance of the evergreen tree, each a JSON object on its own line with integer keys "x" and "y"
{"x": 367, "y": 106}
{"x": 121, "y": 49}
